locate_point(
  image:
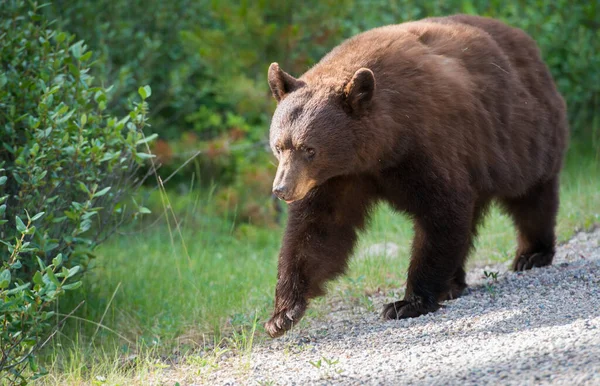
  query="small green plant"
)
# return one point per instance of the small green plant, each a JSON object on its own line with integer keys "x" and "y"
{"x": 66, "y": 171}
{"x": 316, "y": 364}
{"x": 327, "y": 366}
{"x": 491, "y": 279}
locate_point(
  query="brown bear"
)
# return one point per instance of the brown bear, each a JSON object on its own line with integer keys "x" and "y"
{"x": 437, "y": 117}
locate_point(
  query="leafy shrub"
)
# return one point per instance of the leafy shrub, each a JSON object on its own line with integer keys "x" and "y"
{"x": 207, "y": 61}
{"x": 66, "y": 169}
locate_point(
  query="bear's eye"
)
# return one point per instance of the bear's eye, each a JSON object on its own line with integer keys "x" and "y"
{"x": 310, "y": 152}
{"x": 278, "y": 149}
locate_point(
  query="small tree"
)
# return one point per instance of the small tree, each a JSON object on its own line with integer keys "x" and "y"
{"x": 66, "y": 171}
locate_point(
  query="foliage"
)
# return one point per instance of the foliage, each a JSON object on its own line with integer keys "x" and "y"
{"x": 66, "y": 168}
{"x": 208, "y": 59}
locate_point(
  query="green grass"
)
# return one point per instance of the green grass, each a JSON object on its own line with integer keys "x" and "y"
{"x": 166, "y": 291}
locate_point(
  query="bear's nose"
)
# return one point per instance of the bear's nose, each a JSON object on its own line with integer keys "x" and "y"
{"x": 280, "y": 191}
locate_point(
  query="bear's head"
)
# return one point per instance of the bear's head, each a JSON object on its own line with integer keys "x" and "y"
{"x": 316, "y": 128}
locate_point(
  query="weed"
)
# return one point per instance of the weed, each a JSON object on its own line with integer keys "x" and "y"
{"x": 491, "y": 279}
{"x": 328, "y": 367}
{"x": 491, "y": 275}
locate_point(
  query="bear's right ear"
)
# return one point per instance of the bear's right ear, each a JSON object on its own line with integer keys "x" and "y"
{"x": 359, "y": 91}
{"x": 281, "y": 82}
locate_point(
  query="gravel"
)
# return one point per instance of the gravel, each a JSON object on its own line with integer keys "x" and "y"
{"x": 536, "y": 327}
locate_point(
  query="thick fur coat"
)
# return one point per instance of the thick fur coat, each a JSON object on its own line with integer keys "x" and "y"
{"x": 437, "y": 117}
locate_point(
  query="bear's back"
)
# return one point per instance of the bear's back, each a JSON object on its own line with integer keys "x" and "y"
{"x": 473, "y": 90}
{"x": 522, "y": 52}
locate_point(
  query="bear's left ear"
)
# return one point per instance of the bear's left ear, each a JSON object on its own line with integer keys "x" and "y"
{"x": 358, "y": 92}
{"x": 280, "y": 82}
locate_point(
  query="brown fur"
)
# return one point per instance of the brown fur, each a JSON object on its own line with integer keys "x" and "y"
{"x": 437, "y": 117}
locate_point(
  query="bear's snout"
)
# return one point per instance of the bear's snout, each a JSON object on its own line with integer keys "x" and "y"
{"x": 292, "y": 182}
{"x": 281, "y": 191}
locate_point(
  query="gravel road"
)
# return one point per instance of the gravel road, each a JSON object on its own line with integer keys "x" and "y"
{"x": 535, "y": 327}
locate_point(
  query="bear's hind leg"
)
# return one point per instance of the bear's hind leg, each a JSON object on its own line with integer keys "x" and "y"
{"x": 534, "y": 215}
{"x": 458, "y": 284}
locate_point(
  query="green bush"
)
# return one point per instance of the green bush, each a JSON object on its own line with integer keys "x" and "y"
{"x": 66, "y": 171}
{"x": 207, "y": 61}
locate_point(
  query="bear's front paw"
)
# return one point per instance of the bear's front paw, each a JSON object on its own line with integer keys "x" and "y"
{"x": 283, "y": 320}
{"x": 528, "y": 261}
{"x": 403, "y": 309}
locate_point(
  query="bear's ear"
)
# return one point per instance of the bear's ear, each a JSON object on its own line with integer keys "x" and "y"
{"x": 281, "y": 82}
{"x": 358, "y": 92}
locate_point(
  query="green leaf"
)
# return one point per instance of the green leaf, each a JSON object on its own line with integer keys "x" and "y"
{"x": 85, "y": 57}
{"x": 41, "y": 263}
{"x": 37, "y": 216}
{"x": 74, "y": 70}
{"x": 3, "y": 180}
{"x": 142, "y": 93}
{"x": 76, "y": 49}
{"x": 147, "y": 139}
{"x": 73, "y": 271}
{"x": 59, "y": 219}
{"x": 20, "y": 225}
{"x": 57, "y": 261}
{"x": 145, "y": 92}
{"x": 61, "y": 37}
{"x": 52, "y": 277}
{"x": 32, "y": 364}
{"x": 84, "y": 188}
{"x": 4, "y": 279}
{"x": 18, "y": 289}
{"x": 102, "y": 192}
{"x": 144, "y": 155}
{"x": 144, "y": 210}
{"x": 72, "y": 286}
{"x": 37, "y": 278}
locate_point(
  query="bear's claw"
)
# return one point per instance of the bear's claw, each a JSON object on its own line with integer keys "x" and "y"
{"x": 528, "y": 261}
{"x": 403, "y": 309}
{"x": 284, "y": 320}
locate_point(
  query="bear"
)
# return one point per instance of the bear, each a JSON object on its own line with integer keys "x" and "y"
{"x": 438, "y": 117}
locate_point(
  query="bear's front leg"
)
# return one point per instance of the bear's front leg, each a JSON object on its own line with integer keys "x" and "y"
{"x": 290, "y": 299}
{"x": 319, "y": 237}
{"x": 440, "y": 247}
